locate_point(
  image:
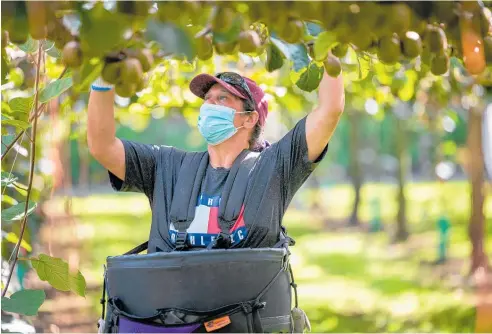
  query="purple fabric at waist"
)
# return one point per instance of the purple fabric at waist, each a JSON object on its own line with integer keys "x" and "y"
{"x": 129, "y": 326}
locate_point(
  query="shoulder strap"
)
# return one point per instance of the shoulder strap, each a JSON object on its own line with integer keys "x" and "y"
{"x": 187, "y": 188}
{"x": 234, "y": 191}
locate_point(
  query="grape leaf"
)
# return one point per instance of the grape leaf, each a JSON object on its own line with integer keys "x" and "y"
{"x": 323, "y": 44}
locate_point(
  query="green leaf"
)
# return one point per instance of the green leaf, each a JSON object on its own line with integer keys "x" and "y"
{"x": 170, "y": 38}
{"x": 54, "y": 52}
{"x": 30, "y": 46}
{"x": 56, "y": 272}
{"x": 7, "y": 140}
{"x": 85, "y": 75}
{"x": 101, "y": 30}
{"x": 16, "y": 123}
{"x": 16, "y": 212}
{"x": 275, "y": 58}
{"x": 12, "y": 238}
{"x": 311, "y": 78}
{"x": 323, "y": 44}
{"x": 231, "y": 35}
{"x": 26, "y": 302}
{"x": 55, "y": 88}
{"x": 314, "y": 29}
{"x": 297, "y": 53}
{"x": 6, "y": 108}
{"x": 21, "y": 107}
{"x": 8, "y": 179}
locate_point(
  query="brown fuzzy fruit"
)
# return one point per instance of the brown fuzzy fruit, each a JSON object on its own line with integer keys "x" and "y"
{"x": 332, "y": 66}
{"x": 145, "y": 58}
{"x": 72, "y": 54}
{"x": 131, "y": 70}
{"x": 249, "y": 41}
{"x": 389, "y": 49}
{"x": 204, "y": 47}
{"x": 126, "y": 89}
{"x": 411, "y": 45}
{"x": 439, "y": 64}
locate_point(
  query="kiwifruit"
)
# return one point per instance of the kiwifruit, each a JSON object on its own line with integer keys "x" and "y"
{"x": 136, "y": 8}
{"x": 411, "y": 45}
{"x": 483, "y": 17}
{"x": 111, "y": 72}
{"x": 389, "y": 49}
{"x": 125, "y": 89}
{"x": 140, "y": 85}
{"x": 249, "y": 41}
{"x": 19, "y": 28}
{"x": 332, "y": 66}
{"x": 204, "y": 47}
{"x": 340, "y": 50}
{"x": 436, "y": 39}
{"x": 487, "y": 47}
{"x": 362, "y": 40}
{"x": 226, "y": 48}
{"x": 223, "y": 19}
{"x": 131, "y": 70}
{"x": 292, "y": 32}
{"x": 439, "y": 64}
{"x": 145, "y": 58}
{"x": 399, "y": 18}
{"x": 5, "y": 38}
{"x": 36, "y": 14}
{"x": 72, "y": 54}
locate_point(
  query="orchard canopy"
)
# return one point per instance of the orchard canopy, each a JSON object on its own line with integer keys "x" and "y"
{"x": 126, "y": 41}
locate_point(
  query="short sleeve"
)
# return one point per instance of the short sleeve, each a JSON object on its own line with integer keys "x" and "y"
{"x": 293, "y": 157}
{"x": 141, "y": 162}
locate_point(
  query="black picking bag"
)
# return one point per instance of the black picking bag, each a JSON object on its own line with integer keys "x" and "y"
{"x": 218, "y": 290}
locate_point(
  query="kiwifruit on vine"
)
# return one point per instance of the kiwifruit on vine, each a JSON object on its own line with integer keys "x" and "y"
{"x": 72, "y": 54}
{"x": 332, "y": 66}
{"x": 411, "y": 32}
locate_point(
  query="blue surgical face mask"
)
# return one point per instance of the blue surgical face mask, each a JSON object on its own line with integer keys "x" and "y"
{"x": 216, "y": 123}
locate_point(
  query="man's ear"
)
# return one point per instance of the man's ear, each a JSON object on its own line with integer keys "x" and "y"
{"x": 251, "y": 119}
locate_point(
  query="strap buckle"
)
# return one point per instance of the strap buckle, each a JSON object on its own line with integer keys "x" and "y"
{"x": 223, "y": 240}
{"x": 181, "y": 241}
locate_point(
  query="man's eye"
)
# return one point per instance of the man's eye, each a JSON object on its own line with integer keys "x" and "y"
{"x": 222, "y": 98}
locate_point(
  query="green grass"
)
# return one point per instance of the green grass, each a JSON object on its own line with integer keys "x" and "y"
{"x": 349, "y": 280}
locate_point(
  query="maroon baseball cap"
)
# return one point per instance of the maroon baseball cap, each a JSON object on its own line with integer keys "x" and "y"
{"x": 203, "y": 82}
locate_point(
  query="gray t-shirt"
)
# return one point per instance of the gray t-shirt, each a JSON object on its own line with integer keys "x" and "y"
{"x": 280, "y": 171}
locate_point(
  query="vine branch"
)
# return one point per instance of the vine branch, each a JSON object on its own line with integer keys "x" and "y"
{"x": 31, "y": 173}
{"x": 38, "y": 113}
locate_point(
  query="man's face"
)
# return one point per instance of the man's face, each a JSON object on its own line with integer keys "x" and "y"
{"x": 219, "y": 95}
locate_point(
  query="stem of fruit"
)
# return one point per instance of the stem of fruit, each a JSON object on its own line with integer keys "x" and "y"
{"x": 31, "y": 174}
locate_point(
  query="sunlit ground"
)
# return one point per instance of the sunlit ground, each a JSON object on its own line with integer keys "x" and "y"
{"x": 349, "y": 280}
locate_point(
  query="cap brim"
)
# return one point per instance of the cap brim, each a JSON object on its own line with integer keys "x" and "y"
{"x": 201, "y": 84}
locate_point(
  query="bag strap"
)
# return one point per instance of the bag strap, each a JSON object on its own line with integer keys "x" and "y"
{"x": 182, "y": 211}
{"x": 234, "y": 191}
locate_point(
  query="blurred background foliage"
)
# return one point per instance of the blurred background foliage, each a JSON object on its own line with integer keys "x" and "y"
{"x": 391, "y": 227}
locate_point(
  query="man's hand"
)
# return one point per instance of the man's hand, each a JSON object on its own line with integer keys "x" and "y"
{"x": 322, "y": 121}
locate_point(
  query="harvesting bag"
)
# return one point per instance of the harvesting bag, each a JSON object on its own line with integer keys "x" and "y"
{"x": 215, "y": 290}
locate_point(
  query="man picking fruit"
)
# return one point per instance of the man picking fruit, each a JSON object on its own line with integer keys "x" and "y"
{"x": 235, "y": 194}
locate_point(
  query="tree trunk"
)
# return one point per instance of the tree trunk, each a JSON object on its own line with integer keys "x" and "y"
{"x": 476, "y": 229}
{"x": 401, "y": 154}
{"x": 355, "y": 169}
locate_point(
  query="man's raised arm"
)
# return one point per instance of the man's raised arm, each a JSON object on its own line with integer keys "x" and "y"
{"x": 101, "y": 133}
{"x": 322, "y": 121}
